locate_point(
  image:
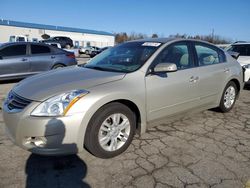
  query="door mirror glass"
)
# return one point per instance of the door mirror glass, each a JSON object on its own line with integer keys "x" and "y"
{"x": 165, "y": 67}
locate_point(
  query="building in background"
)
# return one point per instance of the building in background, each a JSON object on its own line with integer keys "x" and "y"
{"x": 33, "y": 32}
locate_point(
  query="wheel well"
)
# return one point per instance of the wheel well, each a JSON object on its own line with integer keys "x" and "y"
{"x": 132, "y": 106}
{"x": 237, "y": 83}
{"x": 58, "y": 64}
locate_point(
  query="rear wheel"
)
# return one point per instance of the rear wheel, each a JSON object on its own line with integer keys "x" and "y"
{"x": 58, "y": 66}
{"x": 110, "y": 130}
{"x": 229, "y": 97}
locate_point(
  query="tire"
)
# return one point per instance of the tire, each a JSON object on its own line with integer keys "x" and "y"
{"x": 67, "y": 46}
{"x": 58, "y": 66}
{"x": 229, "y": 97}
{"x": 104, "y": 128}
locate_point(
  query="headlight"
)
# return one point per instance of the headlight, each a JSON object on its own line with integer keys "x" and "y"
{"x": 58, "y": 105}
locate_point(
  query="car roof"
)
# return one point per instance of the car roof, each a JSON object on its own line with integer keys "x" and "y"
{"x": 240, "y": 43}
{"x": 58, "y": 37}
{"x": 13, "y": 43}
{"x": 166, "y": 40}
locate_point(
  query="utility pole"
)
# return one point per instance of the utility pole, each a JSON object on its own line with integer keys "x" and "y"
{"x": 213, "y": 35}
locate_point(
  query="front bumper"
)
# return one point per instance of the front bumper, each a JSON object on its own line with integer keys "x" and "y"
{"x": 60, "y": 134}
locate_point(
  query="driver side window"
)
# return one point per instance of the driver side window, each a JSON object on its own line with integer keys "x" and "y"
{"x": 177, "y": 54}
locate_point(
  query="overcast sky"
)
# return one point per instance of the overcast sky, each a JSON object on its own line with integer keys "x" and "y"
{"x": 228, "y": 18}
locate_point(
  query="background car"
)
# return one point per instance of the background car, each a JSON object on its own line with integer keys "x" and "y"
{"x": 55, "y": 44}
{"x": 243, "y": 48}
{"x": 21, "y": 59}
{"x": 18, "y": 38}
{"x": 58, "y": 45}
{"x": 65, "y": 42}
{"x": 95, "y": 52}
{"x": 88, "y": 50}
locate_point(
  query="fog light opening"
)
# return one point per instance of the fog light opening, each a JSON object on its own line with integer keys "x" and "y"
{"x": 35, "y": 141}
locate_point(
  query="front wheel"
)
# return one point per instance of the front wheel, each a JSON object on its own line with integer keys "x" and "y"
{"x": 229, "y": 97}
{"x": 110, "y": 131}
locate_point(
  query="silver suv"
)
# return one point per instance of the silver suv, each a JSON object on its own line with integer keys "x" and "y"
{"x": 102, "y": 105}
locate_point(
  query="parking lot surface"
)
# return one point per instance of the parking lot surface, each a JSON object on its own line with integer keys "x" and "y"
{"x": 208, "y": 149}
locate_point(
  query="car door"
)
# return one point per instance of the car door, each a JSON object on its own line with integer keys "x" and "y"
{"x": 214, "y": 72}
{"x": 14, "y": 60}
{"x": 172, "y": 92}
{"x": 41, "y": 57}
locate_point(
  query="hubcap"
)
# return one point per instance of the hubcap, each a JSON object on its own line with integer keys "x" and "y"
{"x": 114, "y": 132}
{"x": 229, "y": 97}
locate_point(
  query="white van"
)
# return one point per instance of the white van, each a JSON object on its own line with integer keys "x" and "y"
{"x": 18, "y": 38}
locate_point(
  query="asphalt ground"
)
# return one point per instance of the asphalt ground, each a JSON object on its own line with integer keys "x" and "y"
{"x": 208, "y": 149}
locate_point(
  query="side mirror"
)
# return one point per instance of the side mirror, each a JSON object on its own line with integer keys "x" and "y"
{"x": 235, "y": 55}
{"x": 165, "y": 67}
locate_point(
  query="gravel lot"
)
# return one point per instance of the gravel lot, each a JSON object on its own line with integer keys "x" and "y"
{"x": 209, "y": 149}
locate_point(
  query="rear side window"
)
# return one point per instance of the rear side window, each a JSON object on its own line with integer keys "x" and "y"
{"x": 39, "y": 49}
{"x": 208, "y": 55}
{"x": 15, "y": 50}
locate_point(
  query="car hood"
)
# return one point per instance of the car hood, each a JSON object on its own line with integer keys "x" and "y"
{"x": 244, "y": 60}
{"x": 48, "y": 84}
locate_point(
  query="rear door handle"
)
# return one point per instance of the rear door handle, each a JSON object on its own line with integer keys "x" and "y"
{"x": 24, "y": 59}
{"x": 193, "y": 79}
{"x": 53, "y": 57}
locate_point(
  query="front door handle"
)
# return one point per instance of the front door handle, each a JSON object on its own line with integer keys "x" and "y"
{"x": 193, "y": 79}
{"x": 24, "y": 59}
{"x": 53, "y": 57}
{"x": 226, "y": 70}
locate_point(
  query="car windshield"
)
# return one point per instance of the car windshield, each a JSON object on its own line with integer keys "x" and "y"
{"x": 229, "y": 48}
{"x": 127, "y": 57}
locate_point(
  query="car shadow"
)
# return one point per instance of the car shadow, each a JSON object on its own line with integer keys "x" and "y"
{"x": 11, "y": 81}
{"x": 64, "y": 171}
{"x": 247, "y": 87}
{"x": 56, "y": 171}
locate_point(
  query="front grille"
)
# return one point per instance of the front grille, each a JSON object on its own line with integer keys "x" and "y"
{"x": 15, "y": 102}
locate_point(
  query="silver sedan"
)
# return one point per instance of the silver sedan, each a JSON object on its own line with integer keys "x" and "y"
{"x": 100, "y": 106}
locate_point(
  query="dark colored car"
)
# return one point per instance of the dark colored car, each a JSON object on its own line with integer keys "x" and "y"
{"x": 63, "y": 41}
{"x": 22, "y": 59}
{"x": 95, "y": 52}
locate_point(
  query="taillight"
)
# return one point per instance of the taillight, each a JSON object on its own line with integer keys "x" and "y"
{"x": 71, "y": 55}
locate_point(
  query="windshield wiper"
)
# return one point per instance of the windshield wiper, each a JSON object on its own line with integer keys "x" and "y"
{"x": 96, "y": 68}
{"x": 103, "y": 69}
